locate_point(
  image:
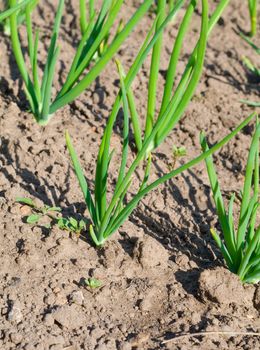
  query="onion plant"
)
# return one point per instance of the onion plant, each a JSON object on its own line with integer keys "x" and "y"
{"x": 117, "y": 211}
{"x": 106, "y": 217}
{"x": 90, "y": 19}
{"x": 252, "y": 6}
{"x": 174, "y": 101}
{"x": 240, "y": 247}
{"x": 39, "y": 93}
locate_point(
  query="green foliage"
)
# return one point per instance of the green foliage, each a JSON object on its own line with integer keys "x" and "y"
{"x": 26, "y": 201}
{"x": 72, "y": 225}
{"x": 106, "y": 217}
{"x": 117, "y": 212}
{"x": 69, "y": 224}
{"x": 39, "y": 92}
{"x": 177, "y": 152}
{"x": 240, "y": 247}
{"x": 250, "y": 42}
{"x": 93, "y": 283}
{"x": 176, "y": 95}
{"x": 86, "y": 13}
{"x": 250, "y": 66}
{"x": 89, "y": 18}
{"x": 38, "y": 212}
{"x": 20, "y": 14}
{"x": 15, "y": 9}
{"x": 171, "y": 4}
{"x": 252, "y": 7}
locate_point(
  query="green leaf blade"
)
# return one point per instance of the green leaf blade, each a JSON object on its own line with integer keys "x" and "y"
{"x": 81, "y": 178}
{"x": 33, "y": 219}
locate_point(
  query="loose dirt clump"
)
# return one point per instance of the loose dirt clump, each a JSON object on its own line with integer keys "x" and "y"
{"x": 221, "y": 286}
{"x": 150, "y": 253}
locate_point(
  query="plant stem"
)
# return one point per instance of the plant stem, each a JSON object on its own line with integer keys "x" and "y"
{"x": 128, "y": 209}
{"x": 160, "y": 122}
{"x": 252, "y": 5}
{"x": 29, "y": 89}
{"x": 16, "y": 7}
{"x": 73, "y": 93}
{"x": 154, "y": 70}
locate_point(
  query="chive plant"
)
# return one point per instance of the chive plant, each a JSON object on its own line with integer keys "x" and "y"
{"x": 39, "y": 93}
{"x": 252, "y": 7}
{"x": 107, "y": 217}
{"x": 240, "y": 247}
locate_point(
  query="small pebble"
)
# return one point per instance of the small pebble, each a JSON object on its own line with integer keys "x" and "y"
{"x": 16, "y": 338}
{"x": 76, "y": 297}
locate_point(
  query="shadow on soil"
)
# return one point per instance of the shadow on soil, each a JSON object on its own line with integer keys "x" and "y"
{"x": 38, "y": 187}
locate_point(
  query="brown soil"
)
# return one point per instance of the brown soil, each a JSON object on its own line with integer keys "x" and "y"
{"x": 161, "y": 273}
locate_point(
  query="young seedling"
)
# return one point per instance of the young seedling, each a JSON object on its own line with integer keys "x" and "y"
{"x": 38, "y": 212}
{"x": 252, "y": 7}
{"x": 72, "y": 225}
{"x": 177, "y": 153}
{"x": 106, "y": 217}
{"x": 39, "y": 92}
{"x": 239, "y": 246}
{"x": 93, "y": 283}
